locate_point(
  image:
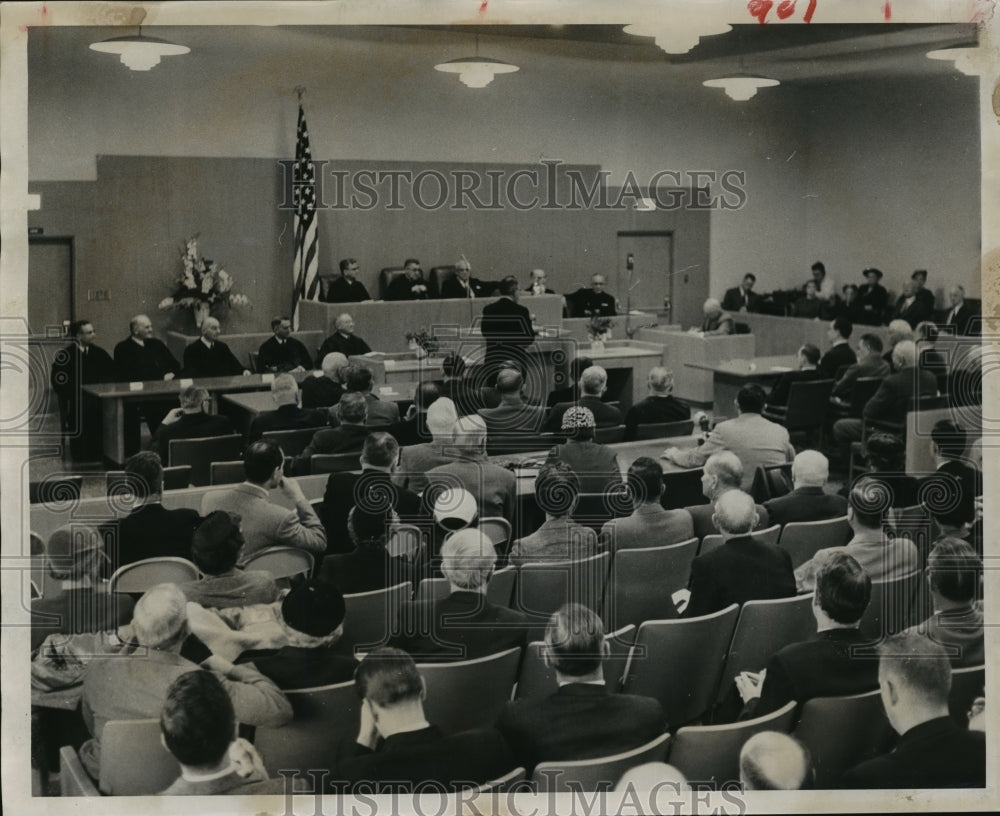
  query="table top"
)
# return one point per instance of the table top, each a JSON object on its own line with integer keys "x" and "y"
{"x": 758, "y": 367}
{"x": 258, "y": 402}
{"x": 249, "y": 382}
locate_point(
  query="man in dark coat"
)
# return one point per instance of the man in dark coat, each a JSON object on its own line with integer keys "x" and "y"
{"x": 873, "y": 298}
{"x": 347, "y": 437}
{"x": 593, "y": 302}
{"x": 287, "y": 415}
{"x": 189, "y": 421}
{"x": 324, "y": 391}
{"x": 840, "y": 355}
{"x": 808, "y": 501}
{"x": 916, "y": 304}
{"x": 283, "y": 352}
{"x": 537, "y": 284}
{"x": 463, "y": 285}
{"x": 593, "y": 384}
{"x": 506, "y": 327}
{"x": 410, "y": 285}
{"x": 659, "y": 406}
{"x": 742, "y": 298}
{"x": 344, "y": 339}
{"x": 208, "y": 356}
{"x": 960, "y": 315}
{"x": 776, "y": 406}
{"x": 347, "y": 288}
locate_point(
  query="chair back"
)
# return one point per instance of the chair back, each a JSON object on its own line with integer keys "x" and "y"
{"x": 254, "y": 362}
{"x": 404, "y": 540}
{"x": 369, "y": 615}
{"x": 500, "y": 589}
{"x": 762, "y": 629}
{"x": 177, "y": 477}
{"x": 281, "y": 562}
{"x": 711, "y": 753}
{"x": 73, "y": 778}
{"x": 56, "y": 489}
{"x": 771, "y": 481}
{"x": 803, "y": 539}
{"x": 436, "y": 279}
{"x": 609, "y": 435}
{"x": 469, "y": 694}
{"x": 200, "y": 453}
{"x": 139, "y": 576}
{"x": 543, "y": 586}
{"x": 596, "y": 774}
{"x": 894, "y": 605}
{"x": 504, "y": 783}
{"x": 808, "y": 403}
{"x": 595, "y": 509}
{"x": 432, "y": 589}
{"x": 386, "y": 277}
{"x": 679, "y": 662}
{"x": 511, "y": 443}
{"x": 498, "y": 530}
{"x": 633, "y": 596}
{"x": 864, "y": 389}
{"x": 664, "y": 430}
{"x": 293, "y": 442}
{"x": 334, "y": 462}
{"x": 967, "y": 684}
{"x": 227, "y": 472}
{"x": 323, "y": 715}
{"x": 769, "y": 535}
{"x": 133, "y": 760}
{"x": 682, "y": 488}
{"x": 840, "y": 732}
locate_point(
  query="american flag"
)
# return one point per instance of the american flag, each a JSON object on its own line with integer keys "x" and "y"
{"x": 306, "y": 264}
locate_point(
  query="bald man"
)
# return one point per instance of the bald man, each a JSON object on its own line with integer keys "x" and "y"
{"x": 771, "y": 760}
{"x": 208, "y": 356}
{"x": 808, "y": 501}
{"x": 742, "y": 568}
{"x": 716, "y": 322}
{"x": 324, "y": 391}
{"x": 344, "y": 339}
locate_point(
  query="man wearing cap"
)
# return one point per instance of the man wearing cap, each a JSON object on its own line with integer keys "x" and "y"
{"x": 344, "y": 339}
{"x": 593, "y": 384}
{"x": 464, "y": 625}
{"x": 215, "y": 551}
{"x": 595, "y": 465}
{"x": 415, "y": 461}
{"x": 873, "y": 297}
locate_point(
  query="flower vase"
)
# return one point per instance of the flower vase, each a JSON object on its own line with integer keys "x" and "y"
{"x": 201, "y": 311}
{"x": 421, "y": 352}
{"x": 597, "y": 344}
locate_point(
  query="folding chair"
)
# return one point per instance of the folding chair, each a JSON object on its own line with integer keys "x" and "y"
{"x": 200, "y": 453}
{"x": 73, "y": 778}
{"x": 643, "y": 581}
{"x": 504, "y": 783}
{"x": 281, "y": 562}
{"x": 227, "y": 472}
{"x": 893, "y": 606}
{"x": 140, "y": 576}
{"x": 501, "y": 587}
{"x": 711, "y": 753}
{"x": 596, "y": 774}
{"x": 664, "y": 430}
{"x": 803, "y": 539}
{"x": 432, "y": 589}
{"x": 609, "y": 435}
{"x": 469, "y": 694}
{"x": 771, "y": 481}
{"x": 595, "y": 509}
{"x": 679, "y": 662}
{"x": 498, "y": 530}
{"x": 769, "y": 535}
{"x": 369, "y": 615}
{"x": 292, "y": 442}
{"x": 542, "y": 587}
{"x": 333, "y": 462}
{"x": 133, "y": 760}
{"x": 682, "y": 488}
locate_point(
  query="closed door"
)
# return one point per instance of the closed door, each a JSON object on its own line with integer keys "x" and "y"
{"x": 649, "y": 280}
{"x": 50, "y": 284}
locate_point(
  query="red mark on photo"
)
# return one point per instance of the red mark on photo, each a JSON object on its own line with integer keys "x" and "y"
{"x": 887, "y": 10}
{"x": 483, "y": 5}
{"x": 786, "y": 8}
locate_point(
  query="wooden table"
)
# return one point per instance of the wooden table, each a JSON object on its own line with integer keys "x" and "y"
{"x": 628, "y": 363}
{"x": 730, "y": 376}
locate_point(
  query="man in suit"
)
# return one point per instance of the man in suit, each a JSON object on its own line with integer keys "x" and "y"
{"x": 898, "y": 330}
{"x": 283, "y": 352}
{"x": 358, "y": 380}
{"x": 660, "y": 406}
{"x": 741, "y": 569}
{"x": 770, "y": 760}
{"x": 512, "y": 417}
{"x": 368, "y": 566}
{"x": 348, "y": 436}
{"x": 461, "y": 384}
{"x": 208, "y": 356}
{"x": 464, "y": 625}
{"x": 266, "y": 524}
{"x": 593, "y": 384}
{"x": 715, "y": 322}
{"x": 953, "y": 472}
{"x": 189, "y": 421}
{"x": 571, "y": 392}
{"x": 347, "y": 288}
{"x": 287, "y": 415}
{"x": 412, "y": 753}
{"x": 840, "y": 353}
{"x": 141, "y": 357}
{"x": 873, "y": 297}
{"x": 584, "y": 718}
{"x": 961, "y": 316}
{"x": 723, "y": 471}
{"x": 412, "y": 428}
{"x": 536, "y": 285}
{"x": 415, "y": 461}
{"x": 463, "y": 285}
{"x": 755, "y": 440}
{"x": 914, "y": 677}
{"x": 742, "y": 298}
{"x": 953, "y": 575}
{"x": 81, "y": 363}
{"x": 824, "y": 665}
{"x": 808, "y": 501}
{"x": 506, "y": 327}
{"x": 370, "y": 490}
{"x": 325, "y": 391}
{"x": 595, "y": 301}
{"x": 869, "y": 364}
{"x": 410, "y": 285}
{"x": 777, "y": 401}
{"x": 649, "y": 522}
{"x": 912, "y": 306}
{"x": 344, "y": 339}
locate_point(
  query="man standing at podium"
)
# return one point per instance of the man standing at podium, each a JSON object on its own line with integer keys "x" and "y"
{"x": 506, "y": 327}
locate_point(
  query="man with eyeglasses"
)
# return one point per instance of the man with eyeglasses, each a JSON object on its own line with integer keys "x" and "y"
{"x": 463, "y": 285}
{"x": 410, "y": 285}
{"x": 347, "y": 288}
{"x": 595, "y": 301}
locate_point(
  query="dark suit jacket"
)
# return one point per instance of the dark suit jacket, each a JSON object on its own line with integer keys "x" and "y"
{"x": 779, "y": 394}
{"x": 287, "y": 418}
{"x": 962, "y": 320}
{"x": 836, "y": 357}
{"x": 348, "y": 346}
{"x": 189, "y": 426}
{"x": 806, "y": 504}
{"x": 735, "y": 299}
{"x": 588, "y": 302}
{"x": 548, "y": 291}
{"x": 919, "y": 310}
{"x": 71, "y": 369}
{"x": 934, "y": 754}
{"x": 411, "y": 431}
{"x": 452, "y": 288}
{"x": 961, "y": 479}
{"x": 870, "y": 367}
{"x": 462, "y": 626}
{"x": 343, "y": 439}
{"x": 341, "y": 290}
{"x": 369, "y": 488}
{"x": 739, "y": 570}
{"x": 873, "y": 299}
{"x": 78, "y": 610}
{"x": 153, "y": 531}
{"x": 701, "y": 517}
{"x": 296, "y": 667}
{"x": 148, "y": 362}
{"x": 275, "y": 356}
{"x": 400, "y": 289}
{"x": 218, "y": 361}
{"x": 466, "y": 395}
{"x": 320, "y": 392}
{"x": 505, "y": 325}
{"x": 579, "y": 721}
{"x": 654, "y": 409}
{"x": 364, "y": 570}
{"x": 407, "y": 760}
{"x": 604, "y": 414}
{"x": 897, "y": 390}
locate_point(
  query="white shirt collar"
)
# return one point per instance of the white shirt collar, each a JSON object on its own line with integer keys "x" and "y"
{"x": 194, "y": 776}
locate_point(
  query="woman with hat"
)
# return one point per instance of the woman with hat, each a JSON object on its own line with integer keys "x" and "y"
{"x": 873, "y": 298}
{"x": 595, "y": 465}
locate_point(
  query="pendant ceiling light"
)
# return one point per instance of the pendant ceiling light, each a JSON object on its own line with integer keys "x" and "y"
{"x": 477, "y": 71}
{"x": 139, "y": 53}
{"x": 681, "y": 36}
{"x": 741, "y": 87}
{"x": 965, "y": 59}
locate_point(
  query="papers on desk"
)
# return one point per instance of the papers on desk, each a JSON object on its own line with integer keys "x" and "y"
{"x": 267, "y": 378}
{"x": 386, "y": 390}
{"x": 186, "y": 382}
{"x": 781, "y": 368}
{"x": 135, "y": 386}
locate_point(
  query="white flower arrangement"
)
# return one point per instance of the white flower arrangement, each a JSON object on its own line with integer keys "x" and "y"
{"x": 202, "y": 282}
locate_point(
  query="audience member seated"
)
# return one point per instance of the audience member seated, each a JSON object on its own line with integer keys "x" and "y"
{"x": 134, "y": 686}
{"x": 344, "y": 340}
{"x": 659, "y": 406}
{"x": 287, "y": 416}
{"x": 924, "y": 296}
{"x": 208, "y": 356}
{"x": 809, "y": 305}
{"x": 898, "y": 331}
{"x": 883, "y": 557}
{"x": 464, "y": 625}
{"x": 283, "y": 352}
{"x": 346, "y": 288}
{"x": 150, "y": 530}
{"x": 358, "y": 380}
{"x": 593, "y": 384}
{"x": 369, "y": 566}
{"x": 742, "y": 298}
{"x": 513, "y": 416}
{"x": 932, "y": 751}
{"x": 807, "y": 501}
{"x": 911, "y": 308}
{"x": 457, "y": 384}
{"x": 928, "y": 357}
{"x": 826, "y": 288}
{"x": 74, "y": 557}
{"x": 840, "y": 353}
{"x": 885, "y": 455}
{"x": 716, "y": 321}
{"x": 950, "y": 522}
{"x": 347, "y": 437}
{"x": 770, "y": 760}
{"x": 410, "y": 285}
{"x": 463, "y": 285}
{"x": 215, "y": 551}
{"x": 199, "y": 728}
{"x": 825, "y": 665}
{"x": 742, "y": 568}
{"x": 850, "y": 305}
{"x": 397, "y": 750}
{"x": 649, "y": 525}
{"x": 265, "y": 524}
{"x": 807, "y": 359}
{"x": 494, "y": 487}
{"x": 722, "y": 472}
{"x": 953, "y": 473}
{"x": 571, "y": 392}
{"x": 593, "y": 302}
{"x": 583, "y": 719}
{"x": 755, "y": 440}
{"x": 416, "y": 461}
{"x": 953, "y": 576}
{"x": 961, "y": 318}
{"x": 322, "y": 392}
{"x": 557, "y": 490}
{"x": 873, "y": 297}
{"x": 190, "y": 421}
{"x": 654, "y": 776}
{"x": 371, "y": 490}
{"x": 412, "y": 428}
{"x": 869, "y": 364}
{"x": 595, "y": 465}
